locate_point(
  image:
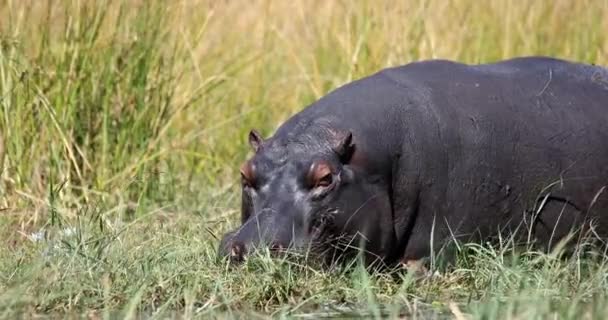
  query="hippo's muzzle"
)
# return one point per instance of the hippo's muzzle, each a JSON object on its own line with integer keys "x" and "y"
{"x": 265, "y": 230}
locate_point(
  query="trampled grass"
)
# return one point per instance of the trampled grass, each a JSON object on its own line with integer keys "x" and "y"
{"x": 122, "y": 125}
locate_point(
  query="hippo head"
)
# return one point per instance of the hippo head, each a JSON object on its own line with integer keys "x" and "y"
{"x": 302, "y": 192}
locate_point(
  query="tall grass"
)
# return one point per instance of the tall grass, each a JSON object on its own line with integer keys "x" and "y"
{"x": 126, "y": 121}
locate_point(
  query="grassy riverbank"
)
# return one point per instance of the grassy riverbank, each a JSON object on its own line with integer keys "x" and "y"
{"x": 123, "y": 124}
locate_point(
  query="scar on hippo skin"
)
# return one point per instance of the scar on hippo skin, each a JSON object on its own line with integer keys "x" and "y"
{"x": 559, "y": 223}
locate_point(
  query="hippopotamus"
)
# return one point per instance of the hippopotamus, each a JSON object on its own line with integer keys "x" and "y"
{"x": 401, "y": 162}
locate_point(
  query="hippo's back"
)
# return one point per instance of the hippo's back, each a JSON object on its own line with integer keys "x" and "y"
{"x": 507, "y": 133}
{"x": 515, "y": 83}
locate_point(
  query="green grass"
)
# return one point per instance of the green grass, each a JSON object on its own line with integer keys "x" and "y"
{"x": 124, "y": 123}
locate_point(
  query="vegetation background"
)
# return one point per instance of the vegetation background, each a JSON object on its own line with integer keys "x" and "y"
{"x": 123, "y": 124}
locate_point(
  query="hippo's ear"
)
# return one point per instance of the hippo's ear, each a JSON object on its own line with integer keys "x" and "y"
{"x": 344, "y": 146}
{"x": 255, "y": 140}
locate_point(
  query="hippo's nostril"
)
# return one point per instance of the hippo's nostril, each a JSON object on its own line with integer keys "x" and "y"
{"x": 237, "y": 252}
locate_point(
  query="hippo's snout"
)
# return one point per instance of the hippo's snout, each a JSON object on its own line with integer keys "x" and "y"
{"x": 262, "y": 231}
{"x": 237, "y": 251}
{"x": 228, "y": 248}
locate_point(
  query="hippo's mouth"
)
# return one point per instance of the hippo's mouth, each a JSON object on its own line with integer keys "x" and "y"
{"x": 325, "y": 244}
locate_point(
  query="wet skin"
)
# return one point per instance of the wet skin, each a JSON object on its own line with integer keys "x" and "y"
{"x": 400, "y": 162}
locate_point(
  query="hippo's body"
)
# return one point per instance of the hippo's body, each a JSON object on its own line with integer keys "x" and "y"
{"x": 438, "y": 150}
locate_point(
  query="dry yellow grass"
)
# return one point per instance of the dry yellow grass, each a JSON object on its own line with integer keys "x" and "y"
{"x": 238, "y": 64}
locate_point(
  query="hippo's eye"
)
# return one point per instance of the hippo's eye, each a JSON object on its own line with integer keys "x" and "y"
{"x": 325, "y": 181}
{"x": 320, "y": 175}
{"x": 247, "y": 179}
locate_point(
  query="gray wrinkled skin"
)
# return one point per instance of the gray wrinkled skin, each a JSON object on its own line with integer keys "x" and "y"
{"x": 439, "y": 150}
